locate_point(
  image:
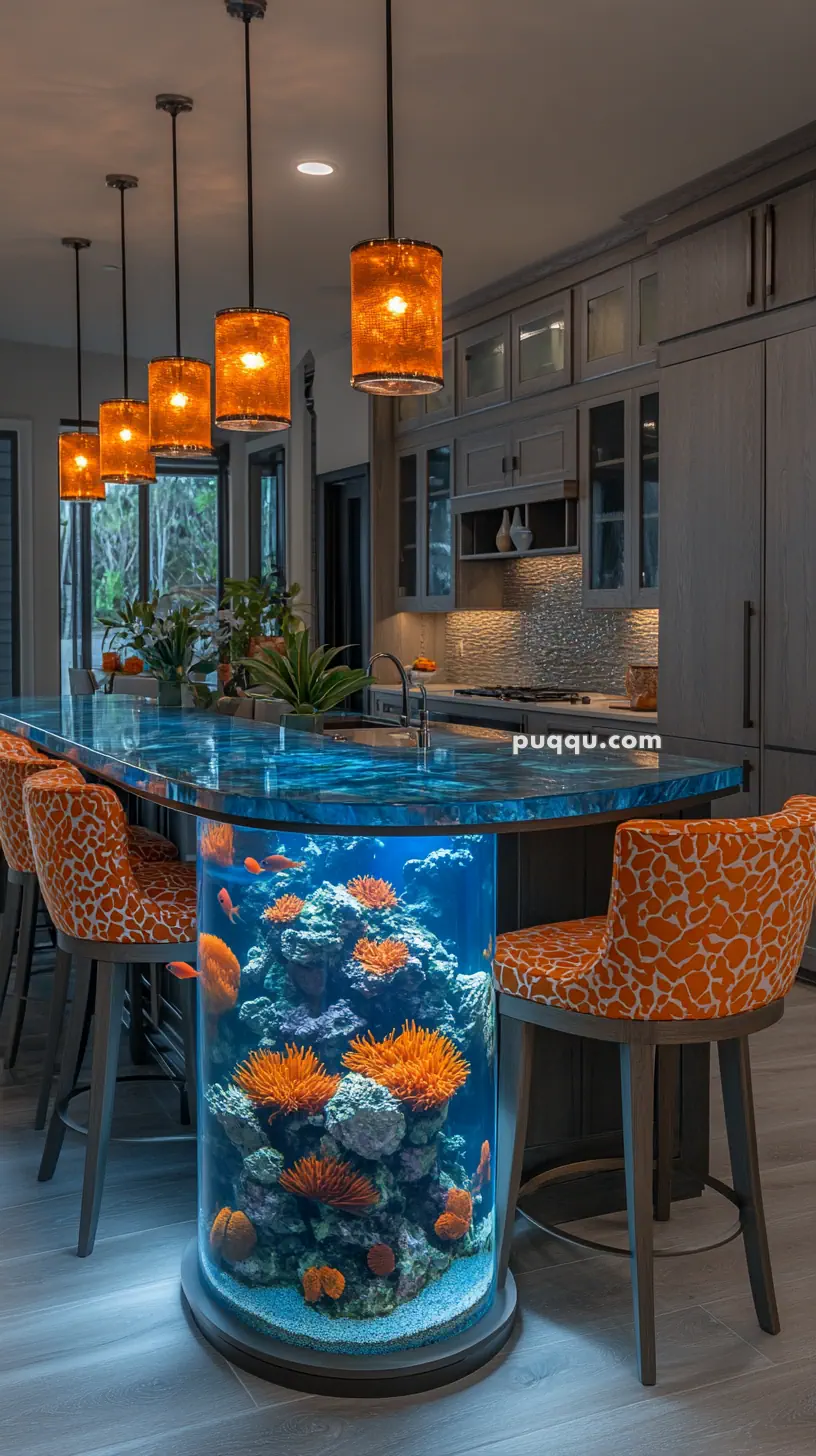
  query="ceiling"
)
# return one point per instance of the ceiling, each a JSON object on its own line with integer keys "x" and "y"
{"x": 523, "y": 127}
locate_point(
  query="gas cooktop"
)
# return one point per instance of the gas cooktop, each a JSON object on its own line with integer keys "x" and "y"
{"x": 524, "y": 695}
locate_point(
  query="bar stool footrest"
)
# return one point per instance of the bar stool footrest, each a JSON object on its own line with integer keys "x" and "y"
{"x": 61, "y": 1110}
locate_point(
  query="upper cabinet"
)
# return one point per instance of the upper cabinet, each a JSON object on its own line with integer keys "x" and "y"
{"x": 425, "y": 581}
{"x": 616, "y": 323}
{"x": 542, "y": 345}
{"x": 529, "y": 453}
{"x": 620, "y": 485}
{"x": 789, "y": 240}
{"x": 483, "y": 366}
{"x": 414, "y": 410}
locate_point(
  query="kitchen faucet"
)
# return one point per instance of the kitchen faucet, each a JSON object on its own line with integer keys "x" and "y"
{"x": 423, "y": 731}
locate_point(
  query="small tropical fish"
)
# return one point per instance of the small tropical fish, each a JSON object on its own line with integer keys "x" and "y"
{"x": 277, "y": 863}
{"x": 231, "y": 911}
{"x": 181, "y": 970}
{"x": 252, "y": 866}
{"x": 488, "y": 950}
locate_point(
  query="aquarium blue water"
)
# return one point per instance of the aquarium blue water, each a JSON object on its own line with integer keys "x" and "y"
{"x": 347, "y": 1098}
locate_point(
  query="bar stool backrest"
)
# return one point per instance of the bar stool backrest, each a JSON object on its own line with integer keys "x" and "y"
{"x": 15, "y": 768}
{"x": 707, "y": 918}
{"x": 82, "y": 682}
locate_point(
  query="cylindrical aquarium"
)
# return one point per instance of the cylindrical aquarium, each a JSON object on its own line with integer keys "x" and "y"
{"x": 347, "y": 1122}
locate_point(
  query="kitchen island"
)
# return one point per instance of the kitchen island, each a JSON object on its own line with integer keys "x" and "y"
{"x": 349, "y": 897}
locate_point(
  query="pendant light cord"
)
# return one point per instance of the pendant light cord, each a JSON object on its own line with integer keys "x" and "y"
{"x": 250, "y": 208}
{"x": 124, "y": 293}
{"x": 78, "y": 339}
{"x": 389, "y": 115}
{"x": 176, "y": 263}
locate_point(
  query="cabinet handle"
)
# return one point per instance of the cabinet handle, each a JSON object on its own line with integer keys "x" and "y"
{"x": 515, "y": 462}
{"x": 747, "y": 770}
{"x": 504, "y": 464}
{"x": 749, "y": 262}
{"x": 747, "y": 614}
{"x": 770, "y": 250}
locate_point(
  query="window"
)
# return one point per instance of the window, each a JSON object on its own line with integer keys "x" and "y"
{"x": 169, "y": 537}
{"x": 267, "y": 513}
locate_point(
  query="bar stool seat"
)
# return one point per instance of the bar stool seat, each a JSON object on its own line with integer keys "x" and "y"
{"x": 704, "y": 934}
{"x": 109, "y": 910}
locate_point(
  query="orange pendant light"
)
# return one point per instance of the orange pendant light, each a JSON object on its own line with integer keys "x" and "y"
{"x": 79, "y": 477}
{"x": 252, "y": 351}
{"x": 124, "y": 424}
{"x": 396, "y": 295}
{"x": 178, "y": 387}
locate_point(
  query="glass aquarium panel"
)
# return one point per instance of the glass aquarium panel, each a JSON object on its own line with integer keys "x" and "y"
{"x": 439, "y": 547}
{"x": 607, "y": 436}
{"x": 442, "y": 401}
{"x": 606, "y": 324}
{"x": 408, "y": 561}
{"x": 647, "y": 311}
{"x": 541, "y": 346}
{"x": 347, "y": 1097}
{"x": 485, "y": 367}
{"x": 649, "y": 489}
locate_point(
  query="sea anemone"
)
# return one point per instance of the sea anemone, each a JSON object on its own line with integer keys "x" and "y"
{"x": 332, "y": 1280}
{"x": 449, "y": 1227}
{"x": 381, "y": 957}
{"x": 290, "y": 1081}
{"x": 218, "y": 843}
{"x": 422, "y": 1068}
{"x": 219, "y": 972}
{"x": 232, "y": 1235}
{"x": 330, "y": 1181}
{"x": 380, "y": 1259}
{"x": 285, "y": 908}
{"x": 460, "y": 1204}
{"x": 374, "y": 894}
{"x": 312, "y": 1285}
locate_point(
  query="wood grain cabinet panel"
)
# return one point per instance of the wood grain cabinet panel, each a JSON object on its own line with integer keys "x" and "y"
{"x": 789, "y": 241}
{"x": 712, "y": 413}
{"x": 710, "y": 277}
{"x": 783, "y": 775}
{"x": 734, "y": 806}
{"x": 484, "y": 461}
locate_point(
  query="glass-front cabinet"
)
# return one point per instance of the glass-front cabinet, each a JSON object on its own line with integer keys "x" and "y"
{"x": 616, "y": 319}
{"x": 421, "y": 409}
{"x": 620, "y": 484}
{"x": 425, "y": 572}
{"x": 483, "y": 366}
{"x": 541, "y": 342}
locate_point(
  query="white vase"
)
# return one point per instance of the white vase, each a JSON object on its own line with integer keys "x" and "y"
{"x": 504, "y": 541}
{"x": 520, "y": 535}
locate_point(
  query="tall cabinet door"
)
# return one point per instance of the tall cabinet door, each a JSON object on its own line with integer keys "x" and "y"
{"x": 790, "y": 542}
{"x": 711, "y": 414}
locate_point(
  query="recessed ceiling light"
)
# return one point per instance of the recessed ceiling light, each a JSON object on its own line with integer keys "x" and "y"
{"x": 316, "y": 169}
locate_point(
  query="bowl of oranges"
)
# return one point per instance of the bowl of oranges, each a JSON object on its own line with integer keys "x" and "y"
{"x": 421, "y": 670}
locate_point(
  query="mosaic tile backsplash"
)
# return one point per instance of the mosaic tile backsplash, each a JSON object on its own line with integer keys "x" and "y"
{"x": 545, "y": 635}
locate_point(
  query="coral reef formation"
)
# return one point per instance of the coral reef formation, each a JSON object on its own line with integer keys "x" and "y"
{"x": 330, "y": 1181}
{"x": 284, "y": 909}
{"x": 218, "y": 843}
{"x": 290, "y": 1081}
{"x": 381, "y": 957}
{"x": 219, "y": 974}
{"x": 422, "y": 1068}
{"x": 232, "y": 1235}
{"x": 374, "y": 894}
{"x": 381, "y": 1259}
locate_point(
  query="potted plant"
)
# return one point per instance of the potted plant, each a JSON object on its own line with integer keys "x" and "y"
{"x": 129, "y": 622}
{"x": 174, "y": 648}
{"x": 305, "y": 678}
{"x": 254, "y": 612}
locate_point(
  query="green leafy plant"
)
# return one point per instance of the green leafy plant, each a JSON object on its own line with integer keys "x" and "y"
{"x": 175, "y": 644}
{"x": 129, "y": 624}
{"x": 303, "y": 677}
{"x": 252, "y": 608}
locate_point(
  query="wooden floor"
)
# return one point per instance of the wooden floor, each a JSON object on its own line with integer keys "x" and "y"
{"x": 97, "y": 1355}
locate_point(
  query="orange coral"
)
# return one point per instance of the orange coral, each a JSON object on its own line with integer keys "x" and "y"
{"x": 381, "y": 957}
{"x": 332, "y": 1280}
{"x": 460, "y": 1204}
{"x": 374, "y": 894}
{"x": 290, "y": 1081}
{"x": 483, "y": 1171}
{"x": 285, "y": 908}
{"x": 422, "y": 1068}
{"x": 219, "y": 972}
{"x": 380, "y": 1259}
{"x": 330, "y": 1181}
{"x": 232, "y": 1235}
{"x": 448, "y": 1226}
{"x": 312, "y": 1285}
{"x": 218, "y": 843}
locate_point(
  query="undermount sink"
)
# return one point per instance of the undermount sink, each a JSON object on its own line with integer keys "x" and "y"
{"x": 383, "y": 736}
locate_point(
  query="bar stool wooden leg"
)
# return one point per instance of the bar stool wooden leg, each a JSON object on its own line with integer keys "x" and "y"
{"x": 668, "y": 1076}
{"x": 69, "y": 1067}
{"x": 25, "y": 956}
{"x": 515, "y": 1064}
{"x": 56, "y": 1018}
{"x": 110, "y": 1005}
{"x": 637, "y": 1095}
{"x": 137, "y": 1041}
{"x": 188, "y": 1001}
{"x": 738, "y": 1100}
{"x": 8, "y": 934}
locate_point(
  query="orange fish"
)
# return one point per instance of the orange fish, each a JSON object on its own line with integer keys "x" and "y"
{"x": 181, "y": 970}
{"x": 276, "y": 863}
{"x": 252, "y": 866}
{"x": 231, "y": 911}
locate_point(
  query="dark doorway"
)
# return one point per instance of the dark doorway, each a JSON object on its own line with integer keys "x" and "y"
{"x": 345, "y": 591}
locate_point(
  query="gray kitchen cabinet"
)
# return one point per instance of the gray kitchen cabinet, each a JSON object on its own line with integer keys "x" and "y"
{"x": 416, "y": 410}
{"x": 733, "y": 806}
{"x": 620, "y": 499}
{"x": 711, "y": 276}
{"x": 604, "y": 322}
{"x": 484, "y": 461}
{"x": 425, "y": 567}
{"x": 483, "y": 365}
{"x": 712, "y": 416}
{"x": 545, "y": 449}
{"x": 541, "y": 336}
{"x": 789, "y": 242}
{"x": 783, "y": 775}
{"x": 790, "y": 542}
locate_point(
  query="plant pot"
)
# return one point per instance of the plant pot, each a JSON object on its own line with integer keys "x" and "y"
{"x": 271, "y": 710}
{"x": 304, "y": 722}
{"x": 169, "y": 695}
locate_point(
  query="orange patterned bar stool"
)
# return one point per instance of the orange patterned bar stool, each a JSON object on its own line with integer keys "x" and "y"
{"x": 109, "y": 911}
{"x": 702, "y": 940}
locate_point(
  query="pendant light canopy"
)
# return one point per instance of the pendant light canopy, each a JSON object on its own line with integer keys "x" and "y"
{"x": 396, "y": 295}
{"x": 252, "y": 365}
{"x": 124, "y": 427}
{"x": 178, "y": 387}
{"x": 79, "y": 478}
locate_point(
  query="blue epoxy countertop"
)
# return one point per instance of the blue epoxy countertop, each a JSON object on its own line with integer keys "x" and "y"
{"x": 253, "y": 773}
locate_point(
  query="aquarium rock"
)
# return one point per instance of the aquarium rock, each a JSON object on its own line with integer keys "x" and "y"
{"x": 365, "y": 1117}
{"x": 237, "y": 1116}
{"x": 417, "y": 1261}
{"x": 417, "y": 1162}
{"x": 329, "y": 1033}
{"x": 263, "y": 1167}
